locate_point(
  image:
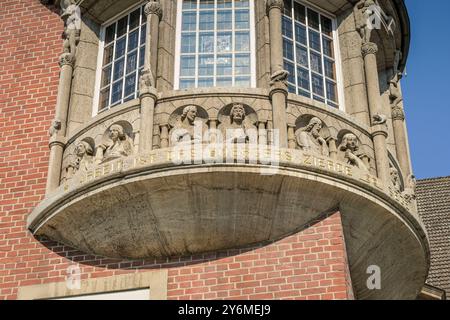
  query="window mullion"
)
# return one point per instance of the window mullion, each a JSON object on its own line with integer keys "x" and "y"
{"x": 113, "y": 67}
{"x": 311, "y": 93}
{"x": 322, "y": 61}
{"x": 294, "y": 39}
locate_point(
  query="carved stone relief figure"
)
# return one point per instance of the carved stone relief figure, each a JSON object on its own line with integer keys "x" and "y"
{"x": 239, "y": 126}
{"x": 310, "y": 140}
{"x": 187, "y": 127}
{"x": 120, "y": 145}
{"x": 395, "y": 179}
{"x": 410, "y": 188}
{"x": 71, "y": 16}
{"x": 364, "y": 11}
{"x": 84, "y": 161}
{"x": 351, "y": 151}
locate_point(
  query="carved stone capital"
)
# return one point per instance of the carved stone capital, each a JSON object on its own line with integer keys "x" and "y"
{"x": 67, "y": 59}
{"x": 274, "y": 4}
{"x": 369, "y": 48}
{"x": 153, "y": 7}
{"x": 398, "y": 113}
{"x": 380, "y": 129}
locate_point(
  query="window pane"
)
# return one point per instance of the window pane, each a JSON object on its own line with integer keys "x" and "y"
{"x": 287, "y": 27}
{"x": 188, "y": 43}
{"x": 224, "y": 3}
{"x": 205, "y": 82}
{"x": 206, "y": 65}
{"x": 327, "y": 26}
{"x": 133, "y": 40}
{"x": 224, "y": 42}
{"x": 104, "y": 98}
{"x": 119, "y": 69}
{"x": 317, "y": 85}
{"x": 313, "y": 19}
{"x": 187, "y": 83}
{"x": 122, "y": 26}
{"x": 303, "y": 78}
{"x": 302, "y": 56}
{"x": 143, "y": 33}
{"x": 116, "y": 92}
{"x": 242, "y": 19}
{"x": 288, "y": 49}
{"x": 329, "y": 69}
{"x": 299, "y": 12}
{"x": 110, "y": 33}
{"x": 106, "y": 76}
{"x": 120, "y": 47}
{"x": 316, "y": 63}
{"x": 189, "y": 22}
{"x": 328, "y": 47}
{"x": 187, "y": 66}
{"x": 189, "y": 4}
{"x": 224, "y": 65}
{"x": 242, "y": 64}
{"x": 130, "y": 84}
{"x": 206, "y": 42}
{"x": 205, "y": 4}
{"x": 241, "y": 3}
{"x": 242, "y": 41}
{"x": 108, "y": 54}
{"x": 206, "y": 20}
{"x": 141, "y": 57}
{"x": 314, "y": 40}
{"x": 134, "y": 18}
{"x": 331, "y": 91}
{"x": 224, "y": 20}
{"x": 287, "y": 7}
{"x": 289, "y": 67}
{"x": 300, "y": 34}
{"x": 131, "y": 62}
{"x": 224, "y": 82}
{"x": 242, "y": 82}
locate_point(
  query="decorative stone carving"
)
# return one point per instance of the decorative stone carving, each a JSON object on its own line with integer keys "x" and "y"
{"x": 395, "y": 179}
{"x": 187, "y": 127}
{"x": 238, "y": 125}
{"x": 54, "y": 128}
{"x": 310, "y": 140}
{"x": 119, "y": 145}
{"x": 410, "y": 188}
{"x": 364, "y": 10}
{"x": 279, "y": 76}
{"x": 146, "y": 81}
{"x": 84, "y": 161}
{"x": 71, "y": 15}
{"x": 379, "y": 119}
{"x": 153, "y": 7}
{"x": 395, "y": 95}
{"x": 369, "y": 48}
{"x": 270, "y": 4}
{"x": 351, "y": 151}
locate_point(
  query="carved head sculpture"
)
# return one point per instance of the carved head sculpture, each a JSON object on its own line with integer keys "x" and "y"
{"x": 189, "y": 113}
{"x": 237, "y": 114}
{"x": 314, "y": 126}
{"x": 83, "y": 148}
{"x": 116, "y": 132}
{"x": 349, "y": 142}
{"x": 394, "y": 175}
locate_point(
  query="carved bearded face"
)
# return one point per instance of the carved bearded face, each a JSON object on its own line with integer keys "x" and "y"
{"x": 238, "y": 114}
{"x": 352, "y": 142}
{"x": 115, "y": 132}
{"x": 81, "y": 150}
{"x": 316, "y": 129}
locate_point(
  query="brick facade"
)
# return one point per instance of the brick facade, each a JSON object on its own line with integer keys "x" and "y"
{"x": 309, "y": 265}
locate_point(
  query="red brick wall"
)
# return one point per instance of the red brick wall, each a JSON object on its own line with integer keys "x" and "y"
{"x": 309, "y": 265}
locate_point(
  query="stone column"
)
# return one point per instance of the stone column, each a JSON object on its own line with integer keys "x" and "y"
{"x": 147, "y": 83}
{"x": 333, "y": 148}
{"x": 291, "y": 137}
{"x": 164, "y": 136}
{"x": 379, "y": 130}
{"x": 278, "y": 89}
{"x": 398, "y": 124}
{"x": 59, "y": 126}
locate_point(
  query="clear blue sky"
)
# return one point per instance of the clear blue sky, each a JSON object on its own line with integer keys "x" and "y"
{"x": 426, "y": 89}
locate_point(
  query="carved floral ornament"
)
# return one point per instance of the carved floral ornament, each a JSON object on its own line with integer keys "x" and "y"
{"x": 153, "y": 7}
